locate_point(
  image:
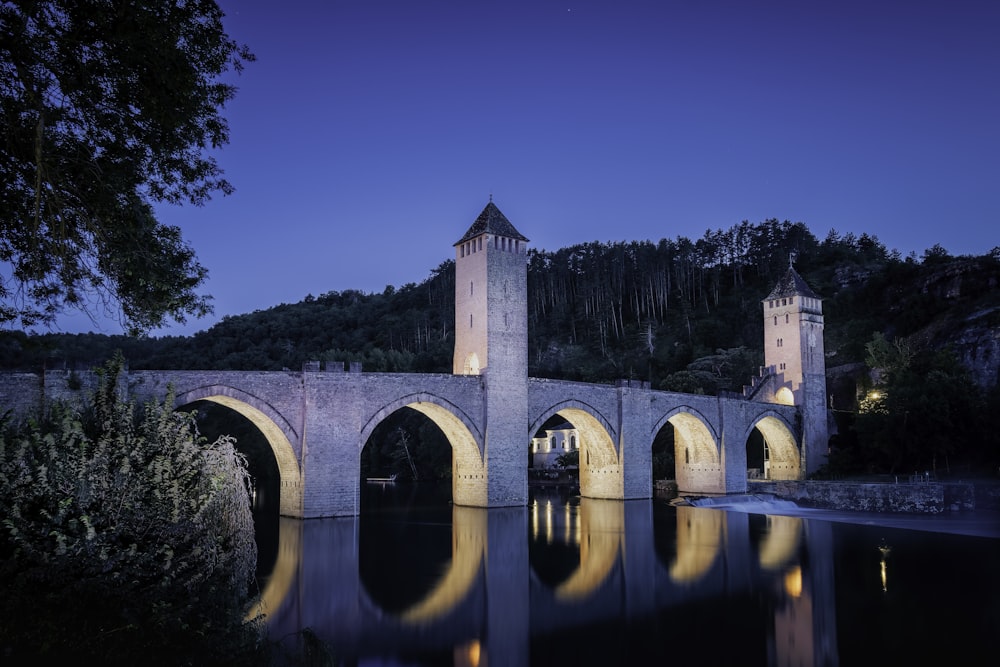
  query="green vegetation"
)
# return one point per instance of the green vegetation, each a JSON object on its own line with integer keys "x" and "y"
{"x": 409, "y": 446}
{"x": 107, "y": 111}
{"x": 127, "y": 538}
{"x": 920, "y": 414}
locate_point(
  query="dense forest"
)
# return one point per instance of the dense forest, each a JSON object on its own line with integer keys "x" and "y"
{"x": 681, "y": 314}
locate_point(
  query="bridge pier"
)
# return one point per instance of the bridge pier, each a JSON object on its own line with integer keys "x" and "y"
{"x": 635, "y": 441}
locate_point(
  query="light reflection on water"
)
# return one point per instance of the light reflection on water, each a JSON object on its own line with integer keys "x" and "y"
{"x": 578, "y": 581}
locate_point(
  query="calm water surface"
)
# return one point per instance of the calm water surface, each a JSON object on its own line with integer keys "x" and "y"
{"x": 575, "y": 581}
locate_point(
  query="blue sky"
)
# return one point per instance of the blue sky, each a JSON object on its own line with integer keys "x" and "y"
{"x": 369, "y": 134}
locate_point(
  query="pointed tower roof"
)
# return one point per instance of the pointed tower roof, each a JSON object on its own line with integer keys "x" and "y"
{"x": 791, "y": 284}
{"x": 491, "y": 221}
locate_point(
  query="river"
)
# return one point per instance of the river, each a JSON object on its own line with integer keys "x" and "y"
{"x": 576, "y": 581}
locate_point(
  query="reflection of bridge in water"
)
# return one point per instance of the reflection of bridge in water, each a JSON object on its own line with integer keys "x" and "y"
{"x": 490, "y": 597}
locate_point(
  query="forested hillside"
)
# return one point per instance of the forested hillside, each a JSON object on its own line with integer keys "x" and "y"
{"x": 679, "y": 313}
{"x": 683, "y": 315}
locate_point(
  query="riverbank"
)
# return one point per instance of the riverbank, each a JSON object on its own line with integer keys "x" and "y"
{"x": 910, "y": 496}
{"x": 978, "y": 523}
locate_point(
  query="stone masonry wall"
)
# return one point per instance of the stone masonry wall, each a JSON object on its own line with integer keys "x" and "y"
{"x": 920, "y": 498}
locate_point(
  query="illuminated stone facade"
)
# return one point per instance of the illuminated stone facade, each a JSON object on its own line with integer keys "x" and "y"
{"x": 491, "y": 339}
{"x": 794, "y": 353}
{"x": 553, "y": 443}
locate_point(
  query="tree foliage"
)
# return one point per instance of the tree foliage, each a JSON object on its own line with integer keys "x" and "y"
{"x": 127, "y": 538}
{"x": 408, "y": 445}
{"x": 107, "y": 108}
{"x": 922, "y": 412}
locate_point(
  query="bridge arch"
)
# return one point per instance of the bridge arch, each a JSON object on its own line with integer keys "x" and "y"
{"x": 697, "y": 460}
{"x": 468, "y": 553}
{"x": 780, "y": 546}
{"x": 457, "y": 582}
{"x": 600, "y": 466}
{"x": 468, "y": 485}
{"x": 784, "y": 460}
{"x": 602, "y": 527}
{"x": 275, "y": 429}
{"x": 701, "y": 533}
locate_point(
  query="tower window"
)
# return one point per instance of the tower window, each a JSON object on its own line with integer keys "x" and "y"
{"x": 775, "y": 320}
{"x": 786, "y": 318}
{"x": 470, "y": 320}
{"x": 471, "y": 288}
{"x": 480, "y": 242}
{"x": 780, "y": 342}
{"x": 461, "y": 251}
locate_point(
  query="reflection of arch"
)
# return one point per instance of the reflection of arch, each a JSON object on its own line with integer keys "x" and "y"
{"x": 468, "y": 479}
{"x": 782, "y": 541}
{"x": 699, "y": 538}
{"x": 783, "y": 452}
{"x": 602, "y": 527}
{"x": 275, "y": 430}
{"x": 696, "y": 454}
{"x": 285, "y": 568}
{"x": 600, "y": 470}
{"x": 468, "y": 546}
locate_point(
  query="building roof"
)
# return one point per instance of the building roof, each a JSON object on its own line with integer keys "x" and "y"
{"x": 491, "y": 221}
{"x": 791, "y": 284}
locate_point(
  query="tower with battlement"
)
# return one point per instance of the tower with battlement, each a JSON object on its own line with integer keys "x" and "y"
{"x": 793, "y": 348}
{"x": 491, "y": 339}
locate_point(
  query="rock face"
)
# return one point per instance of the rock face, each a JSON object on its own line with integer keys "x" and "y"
{"x": 964, "y": 294}
{"x": 977, "y": 345}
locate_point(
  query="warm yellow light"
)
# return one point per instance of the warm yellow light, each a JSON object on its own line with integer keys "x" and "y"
{"x": 874, "y": 395}
{"x": 467, "y": 655}
{"x": 534, "y": 520}
{"x": 885, "y": 550}
{"x": 785, "y": 396}
{"x": 793, "y": 582}
{"x": 548, "y": 521}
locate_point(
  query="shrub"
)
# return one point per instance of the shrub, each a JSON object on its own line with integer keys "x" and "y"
{"x": 126, "y": 536}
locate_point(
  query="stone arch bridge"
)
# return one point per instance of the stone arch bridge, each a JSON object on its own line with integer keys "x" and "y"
{"x": 317, "y": 422}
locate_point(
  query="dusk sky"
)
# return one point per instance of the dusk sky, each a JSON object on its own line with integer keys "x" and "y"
{"x": 369, "y": 134}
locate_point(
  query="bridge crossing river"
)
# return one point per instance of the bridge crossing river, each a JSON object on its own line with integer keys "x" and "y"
{"x": 318, "y": 420}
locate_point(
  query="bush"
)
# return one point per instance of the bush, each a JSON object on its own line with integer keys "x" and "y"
{"x": 127, "y": 538}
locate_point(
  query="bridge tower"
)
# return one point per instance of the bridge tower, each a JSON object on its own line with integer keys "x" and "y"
{"x": 793, "y": 346}
{"x": 491, "y": 339}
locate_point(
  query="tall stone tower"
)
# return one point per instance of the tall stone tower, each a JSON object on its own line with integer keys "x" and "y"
{"x": 793, "y": 345}
{"x": 491, "y": 339}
